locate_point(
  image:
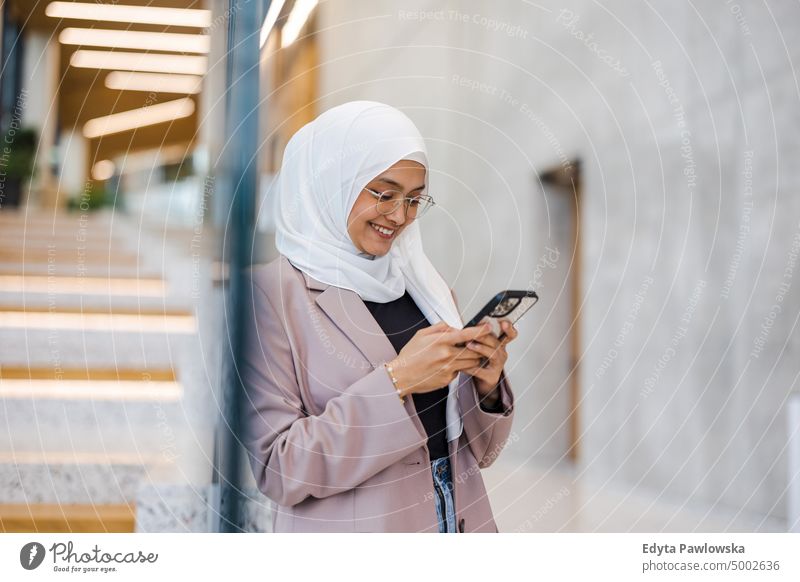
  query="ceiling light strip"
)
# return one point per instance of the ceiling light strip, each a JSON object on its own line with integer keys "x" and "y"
{"x": 134, "y": 14}
{"x": 136, "y": 118}
{"x": 136, "y": 39}
{"x": 154, "y": 82}
{"x": 147, "y": 62}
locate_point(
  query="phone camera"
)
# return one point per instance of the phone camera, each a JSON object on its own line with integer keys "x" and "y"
{"x": 505, "y": 307}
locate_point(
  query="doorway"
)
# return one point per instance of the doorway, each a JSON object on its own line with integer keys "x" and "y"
{"x": 562, "y": 190}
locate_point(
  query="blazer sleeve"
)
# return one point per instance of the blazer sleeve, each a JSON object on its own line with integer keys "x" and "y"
{"x": 487, "y": 431}
{"x": 295, "y": 455}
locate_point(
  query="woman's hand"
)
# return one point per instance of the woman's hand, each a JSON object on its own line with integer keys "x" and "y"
{"x": 431, "y": 358}
{"x": 487, "y": 374}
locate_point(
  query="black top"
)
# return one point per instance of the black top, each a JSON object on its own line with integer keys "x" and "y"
{"x": 400, "y": 320}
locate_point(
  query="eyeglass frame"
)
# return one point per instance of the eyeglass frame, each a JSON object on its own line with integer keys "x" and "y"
{"x": 377, "y": 195}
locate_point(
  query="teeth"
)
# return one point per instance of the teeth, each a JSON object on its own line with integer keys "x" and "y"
{"x": 382, "y": 230}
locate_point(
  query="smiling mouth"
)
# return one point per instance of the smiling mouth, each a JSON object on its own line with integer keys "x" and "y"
{"x": 382, "y": 231}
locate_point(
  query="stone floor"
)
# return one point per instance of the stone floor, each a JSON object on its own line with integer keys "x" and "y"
{"x": 541, "y": 497}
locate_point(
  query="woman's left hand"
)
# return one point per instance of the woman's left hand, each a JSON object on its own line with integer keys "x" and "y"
{"x": 487, "y": 375}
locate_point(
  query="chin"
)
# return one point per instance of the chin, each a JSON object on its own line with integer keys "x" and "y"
{"x": 379, "y": 252}
{"x": 376, "y": 248}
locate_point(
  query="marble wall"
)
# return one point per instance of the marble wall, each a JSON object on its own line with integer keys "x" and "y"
{"x": 684, "y": 117}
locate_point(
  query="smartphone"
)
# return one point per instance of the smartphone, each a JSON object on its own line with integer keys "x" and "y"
{"x": 509, "y": 305}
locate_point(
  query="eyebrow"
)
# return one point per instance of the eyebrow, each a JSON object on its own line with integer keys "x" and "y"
{"x": 393, "y": 183}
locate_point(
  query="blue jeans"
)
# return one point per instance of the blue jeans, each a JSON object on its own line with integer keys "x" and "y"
{"x": 443, "y": 494}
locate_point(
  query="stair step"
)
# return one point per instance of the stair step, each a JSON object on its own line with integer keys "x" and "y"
{"x": 97, "y": 303}
{"x": 77, "y": 348}
{"x": 67, "y": 518}
{"x": 78, "y": 270}
{"x": 75, "y": 483}
{"x": 64, "y": 284}
{"x": 156, "y": 430}
{"x": 58, "y": 254}
{"x": 93, "y": 319}
{"x": 94, "y": 409}
{"x": 57, "y": 218}
{"x": 14, "y": 237}
{"x": 89, "y": 384}
{"x": 71, "y": 457}
{"x": 19, "y": 242}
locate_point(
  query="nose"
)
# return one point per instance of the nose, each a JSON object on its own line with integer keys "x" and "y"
{"x": 398, "y": 215}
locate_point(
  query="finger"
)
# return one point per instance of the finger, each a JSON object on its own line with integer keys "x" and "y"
{"x": 475, "y": 371}
{"x": 438, "y": 328}
{"x": 489, "y": 362}
{"x": 495, "y": 347}
{"x": 478, "y": 372}
{"x": 478, "y": 348}
{"x": 467, "y": 365}
{"x": 463, "y": 352}
{"x": 470, "y": 333}
{"x": 496, "y": 358}
{"x": 464, "y": 364}
{"x": 465, "y": 355}
{"x": 490, "y": 340}
{"x": 510, "y": 332}
{"x": 493, "y": 365}
{"x": 482, "y": 349}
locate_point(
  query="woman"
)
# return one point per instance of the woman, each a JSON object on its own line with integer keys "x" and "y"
{"x": 362, "y": 414}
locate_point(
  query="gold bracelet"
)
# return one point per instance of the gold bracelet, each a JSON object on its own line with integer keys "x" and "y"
{"x": 394, "y": 381}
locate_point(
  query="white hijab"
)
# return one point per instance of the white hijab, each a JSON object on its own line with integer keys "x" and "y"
{"x": 325, "y": 167}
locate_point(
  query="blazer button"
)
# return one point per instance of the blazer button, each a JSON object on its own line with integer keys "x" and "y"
{"x": 461, "y": 525}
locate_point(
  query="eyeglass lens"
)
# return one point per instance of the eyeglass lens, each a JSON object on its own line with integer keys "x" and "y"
{"x": 390, "y": 200}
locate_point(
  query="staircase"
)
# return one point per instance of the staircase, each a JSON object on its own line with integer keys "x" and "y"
{"x": 106, "y": 389}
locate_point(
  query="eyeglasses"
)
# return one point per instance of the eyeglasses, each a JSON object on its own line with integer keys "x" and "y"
{"x": 390, "y": 200}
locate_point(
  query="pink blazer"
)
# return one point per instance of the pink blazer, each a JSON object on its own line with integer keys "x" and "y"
{"x": 327, "y": 437}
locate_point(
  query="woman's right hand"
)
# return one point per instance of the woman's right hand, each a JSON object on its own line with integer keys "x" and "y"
{"x": 431, "y": 359}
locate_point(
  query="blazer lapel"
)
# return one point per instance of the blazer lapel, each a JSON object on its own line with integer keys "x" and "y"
{"x": 348, "y": 312}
